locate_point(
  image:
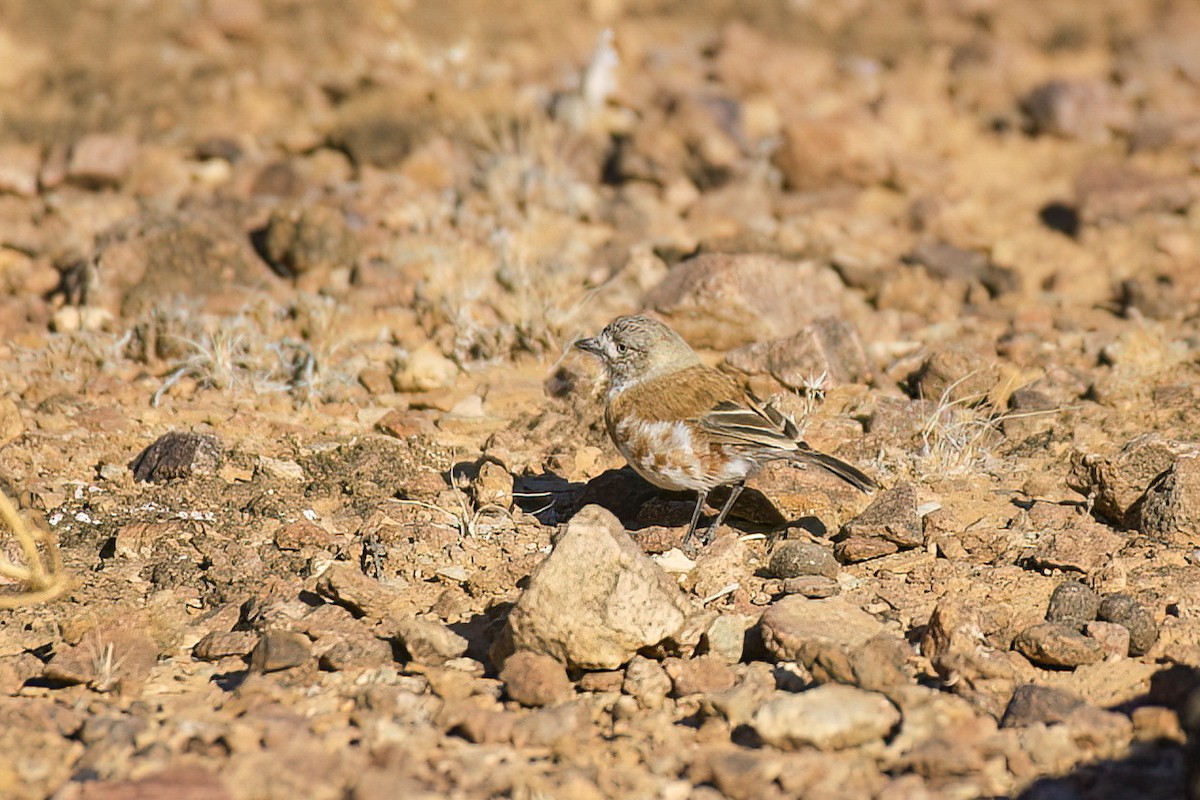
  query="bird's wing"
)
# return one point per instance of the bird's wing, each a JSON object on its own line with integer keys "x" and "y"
{"x": 751, "y": 423}
{"x": 767, "y": 432}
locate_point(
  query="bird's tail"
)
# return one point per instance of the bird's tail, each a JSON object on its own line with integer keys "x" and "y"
{"x": 835, "y": 466}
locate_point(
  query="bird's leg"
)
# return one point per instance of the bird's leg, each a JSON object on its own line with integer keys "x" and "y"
{"x": 701, "y": 496}
{"x": 734, "y": 491}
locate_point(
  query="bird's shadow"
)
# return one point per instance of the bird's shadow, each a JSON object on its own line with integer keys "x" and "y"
{"x": 639, "y": 505}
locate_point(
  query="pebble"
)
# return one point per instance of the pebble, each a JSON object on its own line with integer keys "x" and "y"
{"x": 1133, "y": 616}
{"x": 829, "y": 717}
{"x": 280, "y": 650}
{"x": 535, "y": 679}
{"x": 1051, "y": 644}
{"x": 1073, "y": 604}
{"x": 791, "y": 559}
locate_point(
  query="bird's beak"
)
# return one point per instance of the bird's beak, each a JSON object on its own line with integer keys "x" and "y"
{"x": 589, "y": 346}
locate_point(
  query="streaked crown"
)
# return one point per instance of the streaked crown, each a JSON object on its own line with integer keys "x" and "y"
{"x": 636, "y": 348}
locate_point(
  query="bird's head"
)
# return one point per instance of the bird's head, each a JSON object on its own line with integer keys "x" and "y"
{"x": 636, "y": 348}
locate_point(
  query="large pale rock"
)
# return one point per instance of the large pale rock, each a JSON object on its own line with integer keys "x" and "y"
{"x": 596, "y": 600}
{"x": 723, "y": 301}
{"x": 830, "y": 717}
{"x": 821, "y": 634}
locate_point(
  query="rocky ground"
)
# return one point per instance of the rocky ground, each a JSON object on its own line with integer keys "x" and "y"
{"x": 287, "y": 292}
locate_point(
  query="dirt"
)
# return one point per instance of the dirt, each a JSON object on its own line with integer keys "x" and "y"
{"x": 338, "y": 253}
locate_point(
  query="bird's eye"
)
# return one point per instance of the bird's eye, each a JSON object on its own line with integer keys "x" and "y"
{"x": 622, "y": 349}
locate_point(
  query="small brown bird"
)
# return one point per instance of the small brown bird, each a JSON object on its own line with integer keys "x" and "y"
{"x": 682, "y": 425}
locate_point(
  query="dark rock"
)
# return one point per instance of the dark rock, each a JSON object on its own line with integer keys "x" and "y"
{"x": 892, "y": 516}
{"x": 1032, "y": 704}
{"x": 1072, "y": 604}
{"x": 177, "y": 454}
{"x": 1132, "y": 615}
{"x": 791, "y": 559}
{"x": 1170, "y": 509}
{"x": 308, "y": 239}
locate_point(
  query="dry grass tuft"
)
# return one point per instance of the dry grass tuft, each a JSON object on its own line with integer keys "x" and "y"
{"x": 41, "y": 578}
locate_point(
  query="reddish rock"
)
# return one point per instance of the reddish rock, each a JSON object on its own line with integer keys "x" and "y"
{"x": 535, "y": 679}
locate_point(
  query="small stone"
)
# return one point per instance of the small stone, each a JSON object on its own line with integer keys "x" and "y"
{"x": 1073, "y": 604}
{"x": 109, "y": 657}
{"x": 602, "y": 681}
{"x": 945, "y": 261}
{"x": 1051, "y": 644}
{"x": 492, "y": 487}
{"x": 101, "y": 159}
{"x": 295, "y": 536}
{"x": 830, "y": 717}
{"x": 647, "y": 682}
{"x": 429, "y": 642}
{"x": 1132, "y": 615}
{"x": 878, "y": 664}
{"x": 280, "y": 650}
{"x": 177, "y": 455}
{"x": 550, "y": 727}
{"x": 534, "y": 679}
{"x": 954, "y": 375}
{"x": 11, "y": 425}
{"x": 699, "y": 675}
{"x": 305, "y": 240}
{"x": 725, "y": 638}
{"x": 1077, "y": 109}
{"x": 19, "y": 167}
{"x": 723, "y": 563}
{"x": 791, "y": 559}
{"x": 1115, "y": 193}
{"x": 741, "y": 774}
{"x": 818, "y": 632}
{"x": 813, "y": 586}
{"x": 425, "y": 370}
{"x": 1032, "y": 704}
{"x": 1157, "y": 724}
{"x": 854, "y": 549}
{"x": 346, "y": 585}
{"x": 824, "y": 153}
{"x": 224, "y": 644}
{"x": 283, "y": 469}
{"x": 1113, "y": 638}
{"x": 954, "y": 644}
{"x": 892, "y": 516}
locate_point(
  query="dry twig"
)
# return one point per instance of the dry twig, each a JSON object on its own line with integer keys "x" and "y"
{"x": 42, "y": 576}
